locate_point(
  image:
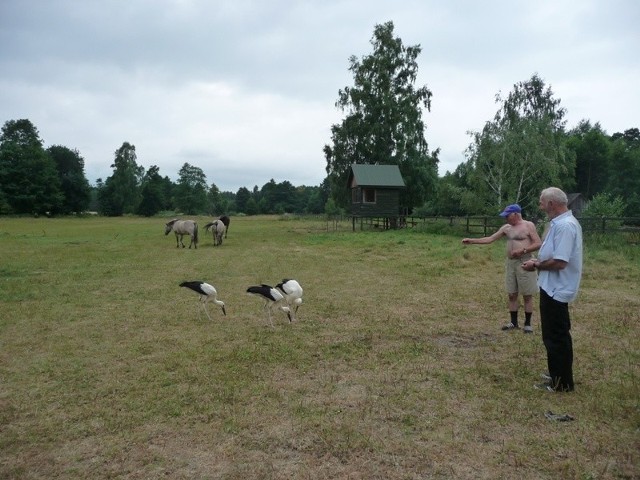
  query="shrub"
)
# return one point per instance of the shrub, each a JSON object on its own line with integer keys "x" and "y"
{"x": 604, "y": 205}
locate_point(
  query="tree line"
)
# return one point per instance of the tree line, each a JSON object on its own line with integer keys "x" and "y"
{"x": 131, "y": 189}
{"x": 523, "y": 149}
{"x": 51, "y": 181}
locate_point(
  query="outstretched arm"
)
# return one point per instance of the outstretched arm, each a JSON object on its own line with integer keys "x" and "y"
{"x": 485, "y": 240}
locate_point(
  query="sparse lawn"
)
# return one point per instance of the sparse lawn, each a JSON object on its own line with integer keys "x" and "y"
{"x": 395, "y": 369}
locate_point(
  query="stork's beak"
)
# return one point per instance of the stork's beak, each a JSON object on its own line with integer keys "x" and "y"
{"x": 223, "y": 310}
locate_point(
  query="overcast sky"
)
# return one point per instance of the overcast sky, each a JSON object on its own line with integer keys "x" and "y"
{"x": 246, "y": 89}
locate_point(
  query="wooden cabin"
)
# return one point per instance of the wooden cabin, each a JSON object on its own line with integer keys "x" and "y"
{"x": 576, "y": 203}
{"x": 375, "y": 192}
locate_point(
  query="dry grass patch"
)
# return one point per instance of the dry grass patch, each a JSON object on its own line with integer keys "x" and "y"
{"x": 396, "y": 369}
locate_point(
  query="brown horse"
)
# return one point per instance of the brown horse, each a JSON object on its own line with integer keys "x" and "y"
{"x": 226, "y": 220}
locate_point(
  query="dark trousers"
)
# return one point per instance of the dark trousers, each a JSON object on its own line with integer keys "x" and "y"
{"x": 555, "y": 323}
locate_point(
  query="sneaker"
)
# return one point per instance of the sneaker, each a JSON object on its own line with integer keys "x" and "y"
{"x": 510, "y": 326}
{"x": 528, "y": 329}
{"x": 544, "y": 386}
{"x": 558, "y": 417}
{"x": 545, "y": 376}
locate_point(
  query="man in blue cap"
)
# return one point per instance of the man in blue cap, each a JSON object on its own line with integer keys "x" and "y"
{"x": 522, "y": 240}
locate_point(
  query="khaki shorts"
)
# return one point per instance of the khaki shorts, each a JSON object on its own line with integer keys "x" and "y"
{"x": 518, "y": 280}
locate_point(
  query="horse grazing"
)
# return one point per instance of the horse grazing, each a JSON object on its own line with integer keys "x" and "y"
{"x": 218, "y": 228}
{"x": 183, "y": 227}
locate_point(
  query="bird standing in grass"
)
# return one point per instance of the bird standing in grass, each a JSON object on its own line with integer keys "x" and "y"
{"x": 207, "y": 294}
{"x": 272, "y": 297}
{"x": 292, "y": 292}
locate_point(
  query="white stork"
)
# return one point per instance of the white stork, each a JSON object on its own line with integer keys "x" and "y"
{"x": 207, "y": 294}
{"x": 272, "y": 297}
{"x": 292, "y": 292}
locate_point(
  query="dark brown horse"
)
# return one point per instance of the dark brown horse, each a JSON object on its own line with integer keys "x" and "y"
{"x": 226, "y": 220}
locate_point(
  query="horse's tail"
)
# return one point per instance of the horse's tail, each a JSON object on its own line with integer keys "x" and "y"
{"x": 195, "y": 233}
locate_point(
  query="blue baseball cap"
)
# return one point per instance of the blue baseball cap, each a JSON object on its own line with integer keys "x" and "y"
{"x": 515, "y": 208}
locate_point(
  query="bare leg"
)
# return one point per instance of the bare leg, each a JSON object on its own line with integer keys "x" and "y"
{"x": 528, "y": 303}
{"x": 513, "y": 302}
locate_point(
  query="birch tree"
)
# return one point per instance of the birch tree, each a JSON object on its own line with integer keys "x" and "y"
{"x": 383, "y": 122}
{"x": 523, "y": 149}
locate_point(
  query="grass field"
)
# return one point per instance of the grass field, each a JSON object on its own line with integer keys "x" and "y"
{"x": 395, "y": 369}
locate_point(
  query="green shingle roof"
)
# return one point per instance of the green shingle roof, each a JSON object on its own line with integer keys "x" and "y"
{"x": 376, "y": 176}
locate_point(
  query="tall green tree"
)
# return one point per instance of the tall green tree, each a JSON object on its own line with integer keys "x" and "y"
{"x": 523, "y": 149}
{"x": 28, "y": 177}
{"x": 383, "y": 122}
{"x": 218, "y": 203}
{"x": 624, "y": 176}
{"x": 168, "y": 189}
{"x": 121, "y": 191}
{"x": 73, "y": 182}
{"x": 191, "y": 190}
{"x": 228, "y": 199}
{"x": 314, "y": 201}
{"x": 152, "y": 194}
{"x": 631, "y": 137}
{"x": 277, "y": 197}
{"x": 591, "y": 146}
{"x": 242, "y": 198}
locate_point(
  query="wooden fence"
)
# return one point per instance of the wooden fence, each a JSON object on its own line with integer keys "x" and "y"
{"x": 486, "y": 225}
{"x": 477, "y": 225}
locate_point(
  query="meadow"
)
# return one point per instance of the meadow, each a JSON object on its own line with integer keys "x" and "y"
{"x": 396, "y": 367}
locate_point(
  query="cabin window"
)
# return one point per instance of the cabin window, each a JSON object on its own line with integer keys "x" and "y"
{"x": 369, "y": 195}
{"x": 355, "y": 197}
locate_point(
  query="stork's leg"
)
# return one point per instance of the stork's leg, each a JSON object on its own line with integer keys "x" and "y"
{"x": 268, "y": 309}
{"x": 206, "y": 310}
